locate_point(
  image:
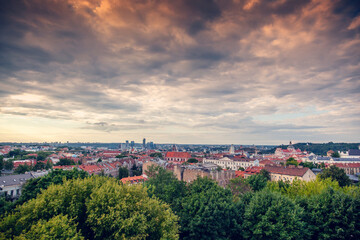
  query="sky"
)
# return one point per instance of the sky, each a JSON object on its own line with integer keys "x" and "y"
{"x": 189, "y": 71}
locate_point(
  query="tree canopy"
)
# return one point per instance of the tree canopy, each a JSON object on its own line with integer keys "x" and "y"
{"x": 65, "y": 162}
{"x": 291, "y": 161}
{"x": 123, "y": 172}
{"x": 336, "y": 174}
{"x": 269, "y": 215}
{"x": 95, "y": 208}
{"x": 192, "y": 160}
{"x": 209, "y": 212}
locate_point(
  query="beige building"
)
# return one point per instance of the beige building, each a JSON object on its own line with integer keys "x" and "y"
{"x": 189, "y": 173}
{"x": 226, "y": 162}
{"x": 290, "y": 173}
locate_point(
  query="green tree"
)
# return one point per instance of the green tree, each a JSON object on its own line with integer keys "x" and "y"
{"x": 270, "y": 215}
{"x": 123, "y": 172}
{"x": 333, "y": 215}
{"x": 335, "y": 154}
{"x": 310, "y": 165}
{"x": 156, "y": 155}
{"x": 257, "y": 182}
{"x": 41, "y": 156}
{"x": 100, "y": 208}
{"x": 136, "y": 170}
{"x": 1, "y": 163}
{"x": 8, "y": 164}
{"x": 39, "y": 166}
{"x": 192, "y": 160}
{"x": 241, "y": 169}
{"x": 49, "y": 164}
{"x": 239, "y": 186}
{"x": 65, "y": 162}
{"x": 291, "y": 161}
{"x": 99, "y": 160}
{"x": 336, "y": 174}
{"x": 58, "y": 227}
{"x": 209, "y": 212}
{"x": 266, "y": 174}
{"x": 322, "y": 165}
{"x": 165, "y": 186}
{"x": 34, "y": 186}
{"x": 6, "y": 205}
{"x": 22, "y": 169}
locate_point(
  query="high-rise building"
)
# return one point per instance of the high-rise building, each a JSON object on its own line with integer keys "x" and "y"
{"x": 144, "y": 143}
{"x": 127, "y": 144}
{"x": 132, "y": 144}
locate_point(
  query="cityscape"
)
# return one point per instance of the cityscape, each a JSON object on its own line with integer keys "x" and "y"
{"x": 182, "y": 119}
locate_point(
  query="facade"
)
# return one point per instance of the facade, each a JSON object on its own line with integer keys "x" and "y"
{"x": 189, "y": 173}
{"x": 289, "y": 152}
{"x": 10, "y": 186}
{"x": 233, "y": 164}
{"x": 289, "y": 173}
{"x": 349, "y": 168}
{"x": 177, "y": 156}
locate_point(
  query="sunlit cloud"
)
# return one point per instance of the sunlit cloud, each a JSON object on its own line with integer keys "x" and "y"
{"x": 191, "y": 71}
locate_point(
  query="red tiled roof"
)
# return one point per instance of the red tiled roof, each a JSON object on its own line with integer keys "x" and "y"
{"x": 266, "y": 162}
{"x": 287, "y": 170}
{"x": 253, "y": 170}
{"x": 133, "y": 179}
{"x": 64, "y": 167}
{"x": 178, "y": 155}
{"x": 239, "y": 173}
{"x": 90, "y": 168}
{"x": 344, "y": 165}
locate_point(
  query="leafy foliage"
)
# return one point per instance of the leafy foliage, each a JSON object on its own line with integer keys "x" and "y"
{"x": 192, "y": 160}
{"x": 1, "y": 163}
{"x": 123, "y": 172}
{"x": 34, "y": 186}
{"x": 165, "y": 186}
{"x": 41, "y": 156}
{"x": 136, "y": 170}
{"x": 270, "y": 215}
{"x": 99, "y": 208}
{"x": 337, "y": 174}
{"x": 156, "y": 155}
{"x": 22, "y": 169}
{"x": 65, "y": 162}
{"x": 310, "y": 165}
{"x": 58, "y": 227}
{"x": 239, "y": 186}
{"x": 209, "y": 212}
{"x": 333, "y": 215}
{"x": 257, "y": 181}
{"x": 291, "y": 161}
{"x": 9, "y": 164}
{"x": 335, "y": 155}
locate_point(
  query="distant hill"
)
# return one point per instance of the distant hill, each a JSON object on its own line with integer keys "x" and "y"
{"x": 322, "y": 148}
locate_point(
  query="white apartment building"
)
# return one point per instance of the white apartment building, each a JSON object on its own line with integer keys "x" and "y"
{"x": 226, "y": 162}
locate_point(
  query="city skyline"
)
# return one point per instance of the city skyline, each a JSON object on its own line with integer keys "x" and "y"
{"x": 199, "y": 72}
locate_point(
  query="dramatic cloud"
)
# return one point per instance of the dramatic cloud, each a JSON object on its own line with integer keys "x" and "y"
{"x": 186, "y": 71}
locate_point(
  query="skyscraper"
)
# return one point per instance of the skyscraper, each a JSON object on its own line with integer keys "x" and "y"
{"x": 144, "y": 143}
